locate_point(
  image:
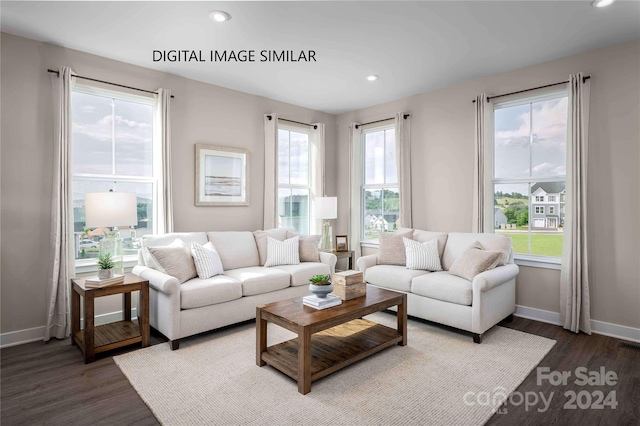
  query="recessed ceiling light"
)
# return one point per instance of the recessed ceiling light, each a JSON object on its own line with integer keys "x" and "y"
{"x": 372, "y": 77}
{"x": 219, "y": 16}
{"x": 601, "y": 3}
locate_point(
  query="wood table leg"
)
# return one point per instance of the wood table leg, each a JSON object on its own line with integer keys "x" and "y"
{"x": 143, "y": 315}
{"x": 89, "y": 329}
{"x": 75, "y": 315}
{"x": 126, "y": 306}
{"x": 261, "y": 337}
{"x": 402, "y": 320}
{"x": 304, "y": 360}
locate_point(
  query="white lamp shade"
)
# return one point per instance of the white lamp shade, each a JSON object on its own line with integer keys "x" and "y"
{"x": 326, "y": 208}
{"x": 110, "y": 209}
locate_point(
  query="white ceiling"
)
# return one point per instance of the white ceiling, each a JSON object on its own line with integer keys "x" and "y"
{"x": 413, "y": 46}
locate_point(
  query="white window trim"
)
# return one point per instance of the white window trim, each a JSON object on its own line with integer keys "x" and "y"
{"x": 370, "y": 128}
{"x": 547, "y": 262}
{"x": 129, "y": 261}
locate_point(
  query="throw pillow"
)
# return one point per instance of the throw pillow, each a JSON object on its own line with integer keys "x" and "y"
{"x": 279, "y": 234}
{"x": 207, "y": 260}
{"x": 391, "y": 247}
{"x": 423, "y": 256}
{"x": 282, "y": 252}
{"x": 308, "y": 247}
{"x": 176, "y": 260}
{"x": 500, "y": 243}
{"x": 474, "y": 261}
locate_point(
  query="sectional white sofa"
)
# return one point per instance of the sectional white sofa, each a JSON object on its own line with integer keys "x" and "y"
{"x": 198, "y": 305}
{"x": 474, "y": 306}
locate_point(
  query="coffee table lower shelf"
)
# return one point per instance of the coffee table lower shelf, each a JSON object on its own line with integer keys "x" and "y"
{"x": 334, "y": 348}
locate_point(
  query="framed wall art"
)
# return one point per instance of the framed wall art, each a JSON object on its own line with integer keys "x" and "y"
{"x": 222, "y": 176}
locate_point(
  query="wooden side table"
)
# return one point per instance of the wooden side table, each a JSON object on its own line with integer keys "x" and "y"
{"x": 345, "y": 255}
{"x": 95, "y": 339}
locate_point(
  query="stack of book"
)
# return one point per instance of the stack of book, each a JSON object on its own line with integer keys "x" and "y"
{"x": 321, "y": 302}
{"x": 95, "y": 282}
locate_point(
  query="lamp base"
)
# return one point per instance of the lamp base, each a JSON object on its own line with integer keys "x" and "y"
{"x": 112, "y": 244}
{"x": 326, "y": 242}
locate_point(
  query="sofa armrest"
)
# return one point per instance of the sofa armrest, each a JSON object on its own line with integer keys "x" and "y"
{"x": 487, "y": 280}
{"x": 158, "y": 280}
{"x": 365, "y": 262}
{"x": 330, "y": 259}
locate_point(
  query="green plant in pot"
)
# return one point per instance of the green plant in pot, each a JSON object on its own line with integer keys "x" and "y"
{"x": 320, "y": 285}
{"x": 105, "y": 266}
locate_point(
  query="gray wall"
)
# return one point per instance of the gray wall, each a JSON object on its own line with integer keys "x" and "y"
{"x": 442, "y": 136}
{"x": 201, "y": 113}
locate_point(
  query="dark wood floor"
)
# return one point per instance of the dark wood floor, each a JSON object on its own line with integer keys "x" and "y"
{"x": 49, "y": 384}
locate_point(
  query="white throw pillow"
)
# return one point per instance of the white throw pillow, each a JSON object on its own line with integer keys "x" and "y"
{"x": 207, "y": 260}
{"x": 283, "y": 252}
{"x": 423, "y": 256}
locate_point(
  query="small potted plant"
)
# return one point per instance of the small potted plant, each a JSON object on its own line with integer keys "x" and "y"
{"x": 105, "y": 266}
{"x": 320, "y": 285}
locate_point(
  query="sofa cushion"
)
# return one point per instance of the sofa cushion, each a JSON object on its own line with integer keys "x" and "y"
{"x": 308, "y": 247}
{"x": 206, "y": 259}
{"x": 152, "y": 240}
{"x": 422, "y": 255}
{"x": 301, "y": 272}
{"x": 474, "y": 261}
{"x": 175, "y": 260}
{"x": 237, "y": 249}
{"x": 391, "y": 248}
{"x": 392, "y": 276}
{"x": 458, "y": 243}
{"x": 443, "y": 286}
{"x": 260, "y": 236}
{"x": 258, "y": 279}
{"x": 283, "y": 252}
{"x": 424, "y": 236}
{"x": 501, "y": 244}
{"x": 219, "y": 289}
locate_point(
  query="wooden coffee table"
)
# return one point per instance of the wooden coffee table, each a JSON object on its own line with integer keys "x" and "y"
{"x": 328, "y": 339}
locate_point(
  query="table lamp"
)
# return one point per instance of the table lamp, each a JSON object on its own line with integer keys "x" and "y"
{"x": 326, "y": 208}
{"x": 111, "y": 210}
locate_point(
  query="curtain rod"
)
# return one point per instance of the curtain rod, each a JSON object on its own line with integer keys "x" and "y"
{"x": 105, "y": 82}
{"x": 315, "y": 126}
{"x": 380, "y": 121}
{"x": 585, "y": 78}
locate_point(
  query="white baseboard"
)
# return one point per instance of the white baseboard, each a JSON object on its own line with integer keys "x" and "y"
{"x": 20, "y": 337}
{"x": 598, "y": 327}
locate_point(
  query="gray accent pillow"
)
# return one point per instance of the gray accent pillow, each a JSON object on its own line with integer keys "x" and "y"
{"x": 474, "y": 261}
{"x": 391, "y": 247}
{"x": 308, "y": 246}
{"x": 176, "y": 260}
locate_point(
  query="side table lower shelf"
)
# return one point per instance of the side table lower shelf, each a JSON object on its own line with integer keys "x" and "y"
{"x": 111, "y": 336}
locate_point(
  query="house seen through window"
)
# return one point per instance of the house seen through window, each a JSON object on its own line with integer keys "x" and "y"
{"x": 529, "y": 172}
{"x": 112, "y": 149}
{"x": 380, "y": 191}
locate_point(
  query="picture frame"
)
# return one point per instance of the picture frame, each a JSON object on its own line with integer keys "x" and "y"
{"x": 222, "y": 176}
{"x": 342, "y": 243}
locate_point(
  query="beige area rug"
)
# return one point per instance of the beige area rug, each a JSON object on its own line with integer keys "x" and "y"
{"x": 213, "y": 379}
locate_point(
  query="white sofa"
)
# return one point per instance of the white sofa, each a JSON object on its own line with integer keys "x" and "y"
{"x": 198, "y": 305}
{"x": 474, "y": 306}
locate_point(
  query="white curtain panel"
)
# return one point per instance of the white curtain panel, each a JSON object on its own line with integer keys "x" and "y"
{"x": 478, "y": 165}
{"x": 317, "y": 173}
{"x": 165, "y": 196}
{"x": 61, "y": 244}
{"x": 270, "y": 171}
{"x": 403, "y": 161}
{"x": 574, "y": 275}
{"x": 355, "y": 179}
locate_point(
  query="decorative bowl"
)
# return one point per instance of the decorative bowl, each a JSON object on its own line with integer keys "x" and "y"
{"x": 321, "y": 290}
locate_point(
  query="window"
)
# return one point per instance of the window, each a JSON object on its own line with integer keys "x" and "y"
{"x": 113, "y": 149}
{"x": 380, "y": 191}
{"x": 528, "y": 163}
{"x": 294, "y": 178}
